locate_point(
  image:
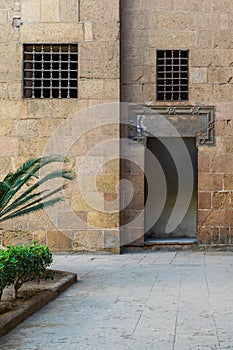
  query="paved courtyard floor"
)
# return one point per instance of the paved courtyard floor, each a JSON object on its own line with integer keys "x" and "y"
{"x": 159, "y": 301}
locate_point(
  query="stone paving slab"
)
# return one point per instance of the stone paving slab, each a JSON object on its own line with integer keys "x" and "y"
{"x": 141, "y": 301}
{"x": 49, "y": 291}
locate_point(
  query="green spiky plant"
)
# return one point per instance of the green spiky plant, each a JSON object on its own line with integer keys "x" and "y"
{"x": 20, "y": 196}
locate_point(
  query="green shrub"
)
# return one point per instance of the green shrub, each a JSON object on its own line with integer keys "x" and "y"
{"x": 20, "y": 264}
{"x": 7, "y": 270}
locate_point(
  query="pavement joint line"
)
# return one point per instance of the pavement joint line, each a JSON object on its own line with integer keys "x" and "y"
{"x": 212, "y": 311}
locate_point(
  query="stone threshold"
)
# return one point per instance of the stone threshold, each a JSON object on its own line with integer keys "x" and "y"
{"x": 170, "y": 241}
{"x": 11, "y": 319}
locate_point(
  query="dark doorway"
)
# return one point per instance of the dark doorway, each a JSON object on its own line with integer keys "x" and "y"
{"x": 186, "y": 228}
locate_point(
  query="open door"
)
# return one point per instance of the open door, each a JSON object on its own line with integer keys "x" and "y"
{"x": 187, "y": 227}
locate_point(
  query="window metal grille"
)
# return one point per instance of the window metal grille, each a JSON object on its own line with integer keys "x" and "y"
{"x": 172, "y": 75}
{"x": 50, "y": 70}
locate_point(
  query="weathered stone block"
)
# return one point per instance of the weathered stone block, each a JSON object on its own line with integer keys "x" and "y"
{"x": 93, "y": 50}
{"x": 99, "y": 10}
{"x": 6, "y": 127}
{"x": 228, "y": 182}
{"x": 107, "y": 183}
{"x": 57, "y": 241}
{"x": 205, "y": 20}
{"x": 41, "y": 221}
{"x": 6, "y": 165}
{"x": 111, "y": 239}
{"x": 105, "y": 69}
{"x": 49, "y": 10}
{"x": 88, "y": 240}
{"x": 213, "y": 74}
{"x": 137, "y": 202}
{"x": 137, "y": 181}
{"x": 225, "y": 92}
{"x": 193, "y": 5}
{"x": 225, "y": 75}
{"x": 165, "y": 38}
{"x": 229, "y": 218}
{"x": 68, "y": 10}
{"x": 228, "y": 165}
{"x": 39, "y": 108}
{"x": 8, "y": 34}
{"x": 16, "y": 238}
{"x": 78, "y": 203}
{"x": 29, "y": 147}
{"x": 226, "y": 57}
{"x": 85, "y": 69}
{"x": 10, "y": 71}
{"x": 7, "y": 4}
{"x": 25, "y": 128}
{"x": 3, "y": 91}
{"x": 222, "y": 5}
{"x": 206, "y": 235}
{"x": 103, "y": 220}
{"x": 111, "y": 201}
{"x": 210, "y": 182}
{"x": 222, "y": 39}
{"x": 31, "y": 11}
{"x": 71, "y": 32}
{"x": 8, "y": 146}
{"x": 112, "y": 166}
{"x": 129, "y": 215}
{"x": 14, "y": 91}
{"x": 204, "y": 39}
{"x": 137, "y": 19}
{"x": 198, "y": 75}
{"x": 217, "y": 164}
{"x": 67, "y": 220}
{"x": 221, "y": 200}
{"x": 68, "y": 108}
{"x": 21, "y": 223}
{"x": 204, "y": 200}
{"x": 88, "y": 31}
{"x": 149, "y": 5}
{"x": 213, "y": 217}
{"x": 89, "y": 89}
{"x": 201, "y": 92}
{"x": 173, "y": 20}
{"x": 7, "y": 226}
{"x": 106, "y": 30}
{"x": 46, "y": 127}
{"x": 203, "y": 163}
{"x": 134, "y": 237}
{"x": 228, "y": 145}
{"x": 224, "y": 21}
{"x": 224, "y": 235}
{"x": 40, "y": 237}
{"x": 204, "y": 57}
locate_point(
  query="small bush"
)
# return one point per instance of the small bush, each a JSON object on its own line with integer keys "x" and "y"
{"x": 20, "y": 264}
{"x": 7, "y": 270}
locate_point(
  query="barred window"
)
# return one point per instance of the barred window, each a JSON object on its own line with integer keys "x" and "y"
{"x": 50, "y": 71}
{"x": 172, "y": 75}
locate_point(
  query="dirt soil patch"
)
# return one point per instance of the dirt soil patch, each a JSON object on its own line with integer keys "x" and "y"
{"x": 31, "y": 297}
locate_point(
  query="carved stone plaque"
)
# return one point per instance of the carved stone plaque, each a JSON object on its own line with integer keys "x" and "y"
{"x": 173, "y": 121}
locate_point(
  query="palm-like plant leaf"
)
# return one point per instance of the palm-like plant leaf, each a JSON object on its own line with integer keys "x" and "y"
{"x": 13, "y": 203}
{"x": 27, "y": 211}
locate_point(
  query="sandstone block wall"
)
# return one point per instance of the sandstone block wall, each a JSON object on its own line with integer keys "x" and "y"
{"x": 26, "y": 125}
{"x": 205, "y": 29}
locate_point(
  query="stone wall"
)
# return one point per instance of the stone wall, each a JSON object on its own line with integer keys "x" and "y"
{"x": 205, "y": 29}
{"x": 26, "y": 125}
